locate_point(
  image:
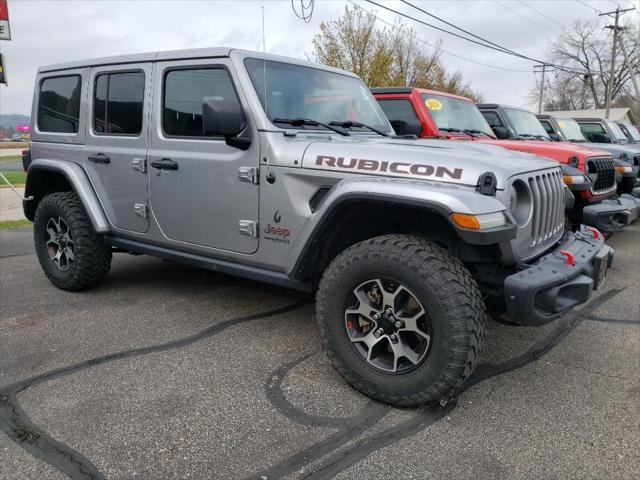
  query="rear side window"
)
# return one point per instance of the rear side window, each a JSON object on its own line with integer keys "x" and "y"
{"x": 185, "y": 91}
{"x": 592, "y": 131}
{"x": 59, "y": 104}
{"x": 547, "y": 126}
{"x": 398, "y": 110}
{"x": 118, "y": 101}
{"x": 492, "y": 119}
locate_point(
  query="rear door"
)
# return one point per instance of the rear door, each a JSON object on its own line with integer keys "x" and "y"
{"x": 199, "y": 191}
{"x": 117, "y": 142}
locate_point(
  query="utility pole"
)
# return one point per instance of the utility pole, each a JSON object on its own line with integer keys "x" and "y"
{"x": 544, "y": 69}
{"x": 615, "y": 28}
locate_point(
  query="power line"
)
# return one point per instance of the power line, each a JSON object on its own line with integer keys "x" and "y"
{"x": 306, "y": 9}
{"x": 392, "y": 26}
{"x": 540, "y": 13}
{"x": 589, "y": 6}
{"x": 525, "y": 17}
{"x": 457, "y": 28}
{"x": 501, "y": 49}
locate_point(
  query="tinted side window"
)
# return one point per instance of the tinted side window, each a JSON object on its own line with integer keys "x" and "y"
{"x": 492, "y": 119}
{"x": 184, "y": 93}
{"x": 592, "y": 131}
{"x": 547, "y": 126}
{"x": 59, "y": 104}
{"x": 398, "y": 110}
{"x": 118, "y": 103}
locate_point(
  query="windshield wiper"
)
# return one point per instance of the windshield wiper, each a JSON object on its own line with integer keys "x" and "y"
{"x": 351, "y": 124}
{"x": 457, "y": 130}
{"x": 299, "y": 122}
{"x": 470, "y": 131}
{"x": 530, "y": 135}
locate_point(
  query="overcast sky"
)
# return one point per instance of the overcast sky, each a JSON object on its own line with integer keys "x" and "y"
{"x": 45, "y": 32}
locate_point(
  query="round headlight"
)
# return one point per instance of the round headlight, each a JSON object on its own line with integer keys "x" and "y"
{"x": 520, "y": 202}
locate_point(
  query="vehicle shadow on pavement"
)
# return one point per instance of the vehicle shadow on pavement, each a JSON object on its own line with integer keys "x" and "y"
{"x": 323, "y": 459}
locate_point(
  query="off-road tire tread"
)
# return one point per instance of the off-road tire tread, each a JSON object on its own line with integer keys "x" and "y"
{"x": 450, "y": 281}
{"x": 92, "y": 255}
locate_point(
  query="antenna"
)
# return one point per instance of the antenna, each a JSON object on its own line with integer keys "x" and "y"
{"x": 263, "y": 41}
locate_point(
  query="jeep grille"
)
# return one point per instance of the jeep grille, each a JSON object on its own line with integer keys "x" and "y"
{"x": 603, "y": 174}
{"x": 547, "y": 190}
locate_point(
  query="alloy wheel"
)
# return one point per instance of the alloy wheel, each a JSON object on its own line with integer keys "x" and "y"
{"x": 387, "y": 325}
{"x": 59, "y": 243}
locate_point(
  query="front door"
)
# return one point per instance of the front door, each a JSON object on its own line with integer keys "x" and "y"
{"x": 117, "y": 142}
{"x": 197, "y": 195}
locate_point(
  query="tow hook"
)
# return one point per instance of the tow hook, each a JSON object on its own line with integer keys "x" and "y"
{"x": 569, "y": 260}
{"x": 594, "y": 231}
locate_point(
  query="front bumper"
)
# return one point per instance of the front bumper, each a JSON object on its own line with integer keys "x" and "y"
{"x": 551, "y": 287}
{"x": 612, "y": 214}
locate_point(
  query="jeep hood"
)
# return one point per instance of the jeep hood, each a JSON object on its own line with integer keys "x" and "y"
{"x": 435, "y": 160}
{"x": 558, "y": 151}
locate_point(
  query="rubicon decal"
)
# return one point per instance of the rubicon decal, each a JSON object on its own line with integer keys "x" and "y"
{"x": 401, "y": 168}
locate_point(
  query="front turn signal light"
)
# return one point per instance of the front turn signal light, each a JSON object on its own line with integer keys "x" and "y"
{"x": 624, "y": 169}
{"x": 569, "y": 179}
{"x": 463, "y": 220}
{"x": 479, "y": 222}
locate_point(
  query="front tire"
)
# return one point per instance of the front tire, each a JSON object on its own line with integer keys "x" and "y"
{"x": 401, "y": 319}
{"x": 72, "y": 255}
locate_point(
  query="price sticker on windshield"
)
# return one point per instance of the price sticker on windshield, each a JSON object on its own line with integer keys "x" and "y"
{"x": 433, "y": 104}
{"x": 562, "y": 125}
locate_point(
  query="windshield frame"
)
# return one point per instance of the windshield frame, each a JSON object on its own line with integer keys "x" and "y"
{"x": 384, "y": 126}
{"x": 482, "y": 125}
{"x": 565, "y": 131}
{"x": 525, "y": 114}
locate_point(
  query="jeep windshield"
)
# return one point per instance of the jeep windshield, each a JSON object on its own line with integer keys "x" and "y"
{"x": 618, "y": 134}
{"x": 456, "y": 116}
{"x": 630, "y": 130}
{"x": 525, "y": 124}
{"x": 570, "y": 129}
{"x": 290, "y": 93}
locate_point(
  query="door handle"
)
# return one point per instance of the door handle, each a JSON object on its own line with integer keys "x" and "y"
{"x": 165, "y": 164}
{"x": 99, "y": 158}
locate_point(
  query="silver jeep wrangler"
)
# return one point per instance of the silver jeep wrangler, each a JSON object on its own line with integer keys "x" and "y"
{"x": 287, "y": 172}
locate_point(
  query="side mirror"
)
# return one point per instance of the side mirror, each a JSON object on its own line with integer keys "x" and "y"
{"x": 225, "y": 119}
{"x": 404, "y": 127}
{"x": 501, "y": 132}
{"x": 555, "y": 137}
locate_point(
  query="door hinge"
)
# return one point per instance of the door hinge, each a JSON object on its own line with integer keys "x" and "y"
{"x": 139, "y": 165}
{"x": 140, "y": 209}
{"x": 248, "y": 174}
{"x": 248, "y": 227}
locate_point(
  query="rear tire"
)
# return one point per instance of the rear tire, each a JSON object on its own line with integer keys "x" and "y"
{"x": 72, "y": 255}
{"x": 350, "y": 296}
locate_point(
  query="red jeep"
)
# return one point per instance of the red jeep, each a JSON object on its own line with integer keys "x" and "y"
{"x": 588, "y": 173}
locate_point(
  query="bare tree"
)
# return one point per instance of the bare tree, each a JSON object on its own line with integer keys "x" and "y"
{"x": 584, "y": 53}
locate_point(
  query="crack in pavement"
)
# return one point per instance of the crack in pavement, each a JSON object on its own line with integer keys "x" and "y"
{"x": 17, "y": 425}
{"x": 597, "y": 318}
{"x": 586, "y": 370}
{"x": 342, "y": 459}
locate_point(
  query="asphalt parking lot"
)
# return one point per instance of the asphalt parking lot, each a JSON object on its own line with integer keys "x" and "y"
{"x": 172, "y": 372}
